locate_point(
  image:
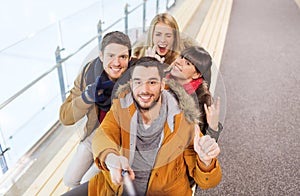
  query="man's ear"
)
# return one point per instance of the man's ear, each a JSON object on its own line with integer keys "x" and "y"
{"x": 196, "y": 75}
{"x": 101, "y": 56}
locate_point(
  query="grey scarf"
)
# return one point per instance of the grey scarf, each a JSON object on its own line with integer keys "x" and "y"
{"x": 147, "y": 145}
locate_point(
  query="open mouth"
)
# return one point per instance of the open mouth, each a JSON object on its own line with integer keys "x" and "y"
{"x": 145, "y": 98}
{"x": 162, "y": 49}
{"x": 115, "y": 69}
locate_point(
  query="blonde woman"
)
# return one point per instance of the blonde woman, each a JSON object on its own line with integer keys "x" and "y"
{"x": 162, "y": 40}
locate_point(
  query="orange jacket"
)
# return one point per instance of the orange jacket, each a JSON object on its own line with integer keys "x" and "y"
{"x": 175, "y": 157}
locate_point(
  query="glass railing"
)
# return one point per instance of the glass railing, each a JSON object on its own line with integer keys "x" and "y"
{"x": 30, "y": 86}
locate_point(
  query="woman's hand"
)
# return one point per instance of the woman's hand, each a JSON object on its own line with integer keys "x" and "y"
{"x": 152, "y": 53}
{"x": 212, "y": 114}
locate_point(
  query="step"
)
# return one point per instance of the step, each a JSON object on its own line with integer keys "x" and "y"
{"x": 212, "y": 34}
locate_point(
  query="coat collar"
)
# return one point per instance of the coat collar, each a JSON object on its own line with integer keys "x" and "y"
{"x": 185, "y": 102}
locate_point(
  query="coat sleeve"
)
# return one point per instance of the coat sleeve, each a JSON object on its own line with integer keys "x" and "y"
{"x": 214, "y": 133}
{"x": 107, "y": 138}
{"x": 74, "y": 108}
{"x": 205, "y": 177}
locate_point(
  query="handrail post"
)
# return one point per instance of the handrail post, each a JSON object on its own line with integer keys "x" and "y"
{"x": 60, "y": 74}
{"x": 157, "y": 6}
{"x": 144, "y": 16}
{"x": 126, "y": 18}
{"x": 99, "y": 30}
{"x": 167, "y": 4}
{"x": 3, "y": 163}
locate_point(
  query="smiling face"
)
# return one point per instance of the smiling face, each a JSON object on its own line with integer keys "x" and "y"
{"x": 163, "y": 38}
{"x": 184, "y": 70}
{"x": 115, "y": 60}
{"x": 146, "y": 85}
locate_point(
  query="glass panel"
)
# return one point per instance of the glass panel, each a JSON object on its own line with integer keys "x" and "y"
{"x": 24, "y": 62}
{"x": 29, "y": 117}
{"x": 76, "y": 30}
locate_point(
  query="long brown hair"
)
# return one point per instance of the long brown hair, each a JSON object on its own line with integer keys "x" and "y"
{"x": 204, "y": 96}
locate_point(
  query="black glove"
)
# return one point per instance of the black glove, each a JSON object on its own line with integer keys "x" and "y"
{"x": 92, "y": 95}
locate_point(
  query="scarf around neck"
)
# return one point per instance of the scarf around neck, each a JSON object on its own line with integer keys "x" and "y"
{"x": 190, "y": 87}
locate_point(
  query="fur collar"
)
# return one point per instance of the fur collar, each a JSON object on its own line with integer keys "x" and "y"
{"x": 186, "y": 102}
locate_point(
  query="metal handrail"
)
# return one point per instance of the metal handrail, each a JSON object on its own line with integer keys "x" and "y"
{"x": 45, "y": 74}
{"x": 25, "y": 88}
{"x": 135, "y": 8}
{"x": 9, "y": 100}
{"x": 6, "y": 102}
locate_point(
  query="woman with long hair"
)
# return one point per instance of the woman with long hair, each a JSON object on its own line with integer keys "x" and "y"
{"x": 162, "y": 40}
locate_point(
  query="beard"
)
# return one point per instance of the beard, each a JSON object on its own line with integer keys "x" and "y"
{"x": 142, "y": 108}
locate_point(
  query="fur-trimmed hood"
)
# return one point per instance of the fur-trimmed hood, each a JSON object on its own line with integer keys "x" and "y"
{"x": 185, "y": 101}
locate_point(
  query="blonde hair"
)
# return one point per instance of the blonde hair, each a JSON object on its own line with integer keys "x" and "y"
{"x": 169, "y": 20}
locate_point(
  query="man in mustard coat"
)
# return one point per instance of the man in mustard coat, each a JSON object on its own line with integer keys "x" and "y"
{"x": 152, "y": 134}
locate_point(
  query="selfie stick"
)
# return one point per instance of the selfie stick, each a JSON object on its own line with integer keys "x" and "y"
{"x": 128, "y": 183}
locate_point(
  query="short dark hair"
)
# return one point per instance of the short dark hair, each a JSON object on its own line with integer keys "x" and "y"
{"x": 116, "y": 37}
{"x": 149, "y": 62}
